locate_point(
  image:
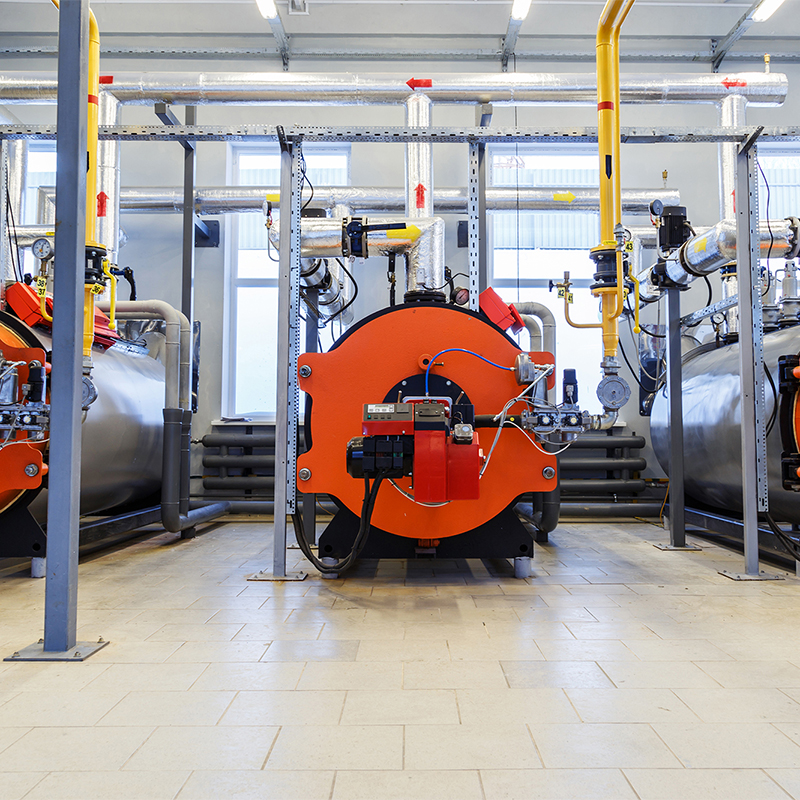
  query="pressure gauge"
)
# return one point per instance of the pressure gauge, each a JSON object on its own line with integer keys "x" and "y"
{"x": 42, "y": 249}
{"x": 718, "y": 318}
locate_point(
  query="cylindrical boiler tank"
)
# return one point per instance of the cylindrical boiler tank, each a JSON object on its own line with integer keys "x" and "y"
{"x": 712, "y": 435}
{"x": 121, "y": 431}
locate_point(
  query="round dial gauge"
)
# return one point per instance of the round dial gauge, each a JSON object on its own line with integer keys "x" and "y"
{"x": 718, "y": 318}
{"x": 42, "y": 249}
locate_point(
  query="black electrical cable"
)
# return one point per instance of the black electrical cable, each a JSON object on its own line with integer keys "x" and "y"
{"x": 308, "y": 181}
{"x": 769, "y": 227}
{"x": 642, "y": 327}
{"x": 792, "y": 545}
{"x": 774, "y": 416}
{"x": 13, "y": 243}
{"x": 355, "y": 290}
{"x": 449, "y": 283}
{"x": 633, "y": 371}
{"x": 370, "y": 495}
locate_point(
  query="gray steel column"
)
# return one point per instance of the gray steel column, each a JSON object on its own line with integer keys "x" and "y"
{"x": 677, "y": 516}
{"x": 5, "y": 250}
{"x": 288, "y": 350}
{"x": 476, "y": 208}
{"x": 187, "y": 281}
{"x": 751, "y": 355}
{"x": 61, "y": 593}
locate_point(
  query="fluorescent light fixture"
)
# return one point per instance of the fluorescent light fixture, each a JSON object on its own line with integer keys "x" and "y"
{"x": 267, "y": 8}
{"x": 766, "y": 9}
{"x": 521, "y": 8}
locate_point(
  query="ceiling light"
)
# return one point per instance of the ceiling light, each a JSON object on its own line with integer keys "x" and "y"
{"x": 766, "y": 9}
{"x": 267, "y": 8}
{"x": 521, "y": 8}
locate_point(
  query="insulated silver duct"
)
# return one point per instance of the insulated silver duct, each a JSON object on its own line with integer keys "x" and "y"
{"x": 108, "y": 178}
{"x": 709, "y": 251}
{"x": 419, "y": 159}
{"x": 422, "y": 240}
{"x": 732, "y": 114}
{"x": 372, "y": 199}
{"x": 267, "y": 88}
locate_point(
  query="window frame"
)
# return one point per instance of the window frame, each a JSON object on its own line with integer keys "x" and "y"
{"x": 233, "y": 283}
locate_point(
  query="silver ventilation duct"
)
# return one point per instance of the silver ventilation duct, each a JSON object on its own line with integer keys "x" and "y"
{"x": 372, "y": 199}
{"x": 267, "y": 88}
{"x": 422, "y": 240}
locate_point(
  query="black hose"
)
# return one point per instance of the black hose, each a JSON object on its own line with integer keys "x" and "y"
{"x": 792, "y": 546}
{"x": 370, "y": 495}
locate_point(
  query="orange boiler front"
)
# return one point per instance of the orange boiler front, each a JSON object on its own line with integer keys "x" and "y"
{"x": 368, "y": 363}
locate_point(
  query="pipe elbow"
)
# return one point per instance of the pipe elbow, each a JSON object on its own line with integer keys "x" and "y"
{"x": 604, "y": 421}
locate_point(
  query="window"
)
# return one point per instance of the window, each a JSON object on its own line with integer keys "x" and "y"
{"x": 253, "y": 301}
{"x": 529, "y": 249}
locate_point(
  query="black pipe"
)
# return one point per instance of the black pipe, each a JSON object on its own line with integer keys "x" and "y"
{"x": 255, "y": 482}
{"x": 240, "y": 462}
{"x": 610, "y": 509}
{"x": 600, "y": 463}
{"x": 593, "y": 441}
{"x": 265, "y": 507}
{"x": 186, "y": 447}
{"x": 266, "y": 439}
{"x": 611, "y": 486}
{"x": 171, "y": 517}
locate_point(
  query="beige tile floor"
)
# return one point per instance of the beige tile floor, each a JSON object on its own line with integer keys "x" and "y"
{"x": 618, "y": 671}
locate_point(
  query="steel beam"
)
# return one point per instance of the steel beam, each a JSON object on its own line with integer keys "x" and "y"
{"x": 751, "y": 357}
{"x": 510, "y": 41}
{"x": 281, "y": 39}
{"x": 262, "y": 133}
{"x": 286, "y": 417}
{"x": 187, "y": 274}
{"x": 722, "y": 48}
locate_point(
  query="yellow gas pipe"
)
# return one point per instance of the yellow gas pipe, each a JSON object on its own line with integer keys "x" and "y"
{"x": 91, "y": 177}
{"x": 608, "y": 140}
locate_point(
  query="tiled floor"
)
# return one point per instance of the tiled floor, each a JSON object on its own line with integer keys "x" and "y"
{"x": 618, "y": 671}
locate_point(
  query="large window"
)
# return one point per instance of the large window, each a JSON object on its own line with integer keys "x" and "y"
{"x": 253, "y": 305}
{"x": 529, "y": 249}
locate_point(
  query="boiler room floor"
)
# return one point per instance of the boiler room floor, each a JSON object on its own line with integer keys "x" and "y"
{"x": 617, "y": 671}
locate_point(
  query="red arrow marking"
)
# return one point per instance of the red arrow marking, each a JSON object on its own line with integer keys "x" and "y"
{"x": 420, "y": 190}
{"x": 102, "y": 204}
{"x": 419, "y": 83}
{"x": 728, "y": 83}
{"x": 106, "y": 79}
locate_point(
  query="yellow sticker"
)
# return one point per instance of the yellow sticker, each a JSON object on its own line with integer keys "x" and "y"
{"x": 562, "y": 292}
{"x": 563, "y": 197}
{"x": 410, "y": 232}
{"x": 41, "y": 286}
{"x": 98, "y": 288}
{"x": 273, "y": 198}
{"x": 699, "y": 245}
{"x": 628, "y": 247}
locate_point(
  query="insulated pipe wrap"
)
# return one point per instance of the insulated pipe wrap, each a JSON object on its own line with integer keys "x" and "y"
{"x": 267, "y": 88}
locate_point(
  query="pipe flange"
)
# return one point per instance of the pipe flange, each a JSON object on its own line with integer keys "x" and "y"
{"x": 794, "y": 224}
{"x": 613, "y": 392}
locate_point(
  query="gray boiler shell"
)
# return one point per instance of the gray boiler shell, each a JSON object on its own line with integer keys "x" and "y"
{"x": 712, "y": 417}
{"x": 121, "y": 432}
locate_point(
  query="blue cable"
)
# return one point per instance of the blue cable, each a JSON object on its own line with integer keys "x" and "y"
{"x": 459, "y": 350}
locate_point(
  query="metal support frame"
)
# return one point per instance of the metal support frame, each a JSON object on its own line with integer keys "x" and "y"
{"x": 722, "y": 47}
{"x": 677, "y": 507}
{"x": 464, "y": 135}
{"x": 510, "y": 41}
{"x": 286, "y": 417}
{"x": 702, "y": 313}
{"x": 755, "y": 487}
{"x": 281, "y": 39}
{"x": 63, "y": 502}
{"x": 476, "y": 205}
